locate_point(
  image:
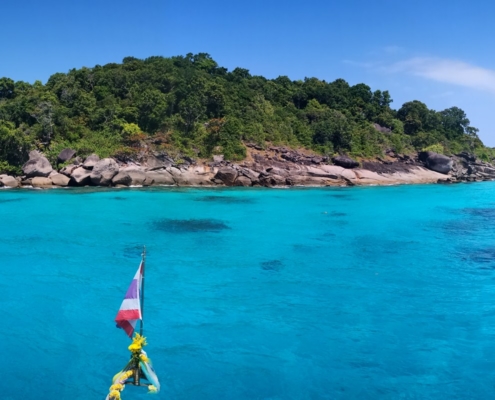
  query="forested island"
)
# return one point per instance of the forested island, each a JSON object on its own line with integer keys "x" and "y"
{"x": 189, "y": 108}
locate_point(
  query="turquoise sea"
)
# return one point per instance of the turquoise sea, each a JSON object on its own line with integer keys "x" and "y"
{"x": 352, "y": 293}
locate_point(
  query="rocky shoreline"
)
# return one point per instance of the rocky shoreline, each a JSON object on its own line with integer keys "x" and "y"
{"x": 271, "y": 167}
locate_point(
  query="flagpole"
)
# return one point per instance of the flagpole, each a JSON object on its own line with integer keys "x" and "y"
{"x": 137, "y": 370}
{"x": 142, "y": 291}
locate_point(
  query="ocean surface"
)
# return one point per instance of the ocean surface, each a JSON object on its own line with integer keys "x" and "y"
{"x": 334, "y": 293}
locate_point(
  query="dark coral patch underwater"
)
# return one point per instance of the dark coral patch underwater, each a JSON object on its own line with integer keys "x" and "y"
{"x": 133, "y": 251}
{"x": 226, "y": 199}
{"x": 337, "y": 214}
{"x": 189, "y": 225}
{"x": 485, "y": 212}
{"x": 342, "y": 196}
{"x": 485, "y": 258}
{"x": 11, "y": 200}
{"x": 272, "y": 265}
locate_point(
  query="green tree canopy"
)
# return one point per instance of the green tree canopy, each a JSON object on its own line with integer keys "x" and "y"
{"x": 191, "y": 104}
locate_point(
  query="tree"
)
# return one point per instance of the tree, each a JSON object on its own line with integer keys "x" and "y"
{"x": 240, "y": 73}
{"x": 417, "y": 117}
{"x": 13, "y": 146}
{"x": 45, "y": 117}
{"x": 153, "y": 107}
{"x": 191, "y": 109}
{"x": 454, "y": 123}
{"x": 204, "y": 62}
{"x": 7, "y": 88}
{"x": 332, "y": 130}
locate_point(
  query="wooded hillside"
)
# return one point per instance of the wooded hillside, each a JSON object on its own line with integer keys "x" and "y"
{"x": 190, "y": 105}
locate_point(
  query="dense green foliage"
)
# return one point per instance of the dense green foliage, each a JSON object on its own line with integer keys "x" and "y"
{"x": 191, "y": 105}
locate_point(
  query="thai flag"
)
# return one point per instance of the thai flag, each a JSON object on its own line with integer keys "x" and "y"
{"x": 130, "y": 310}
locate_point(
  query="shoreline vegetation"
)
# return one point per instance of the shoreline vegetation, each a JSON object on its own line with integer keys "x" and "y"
{"x": 186, "y": 121}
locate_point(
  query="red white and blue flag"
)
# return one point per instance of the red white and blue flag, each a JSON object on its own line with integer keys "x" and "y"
{"x": 130, "y": 310}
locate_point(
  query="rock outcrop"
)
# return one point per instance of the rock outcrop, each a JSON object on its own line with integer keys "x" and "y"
{"x": 436, "y": 162}
{"x": 191, "y": 176}
{"x": 69, "y": 169}
{"x": 227, "y": 175}
{"x": 122, "y": 178}
{"x": 270, "y": 167}
{"x": 243, "y": 181}
{"x": 158, "y": 161}
{"x": 137, "y": 175}
{"x": 160, "y": 177}
{"x": 344, "y": 161}
{"x": 65, "y": 155}
{"x": 467, "y": 168}
{"x": 91, "y": 161}
{"x": 37, "y": 165}
{"x": 103, "y": 172}
{"x": 80, "y": 176}
{"x": 60, "y": 179}
{"x": 9, "y": 181}
{"x": 41, "y": 182}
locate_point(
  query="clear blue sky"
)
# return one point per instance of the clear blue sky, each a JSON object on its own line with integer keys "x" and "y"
{"x": 439, "y": 52}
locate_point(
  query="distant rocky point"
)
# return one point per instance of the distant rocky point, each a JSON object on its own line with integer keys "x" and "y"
{"x": 271, "y": 167}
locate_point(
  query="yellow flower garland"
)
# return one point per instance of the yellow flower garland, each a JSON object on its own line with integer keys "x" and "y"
{"x": 138, "y": 342}
{"x": 115, "y": 394}
{"x": 152, "y": 389}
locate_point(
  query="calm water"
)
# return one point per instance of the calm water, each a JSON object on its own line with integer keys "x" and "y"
{"x": 356, "y": 293}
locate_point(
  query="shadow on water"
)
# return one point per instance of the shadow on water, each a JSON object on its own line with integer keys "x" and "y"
{"x": 484, "y": 257}
{"x": 32, "y": 238}
{"x": 337, "y": 214}
{"x": 474, "y": 220}
{"x": 272, "y": 265}
{"x": 133, "y": 251}
{"x": 15, "y": 200}
{"x": 304, "y": 248}
{"x": 189, "y": 225}
{"x": 369, "y": 244}
{"x": 461, "y": 227}
{"x": 342, "y": 196}
{"x": 118, "y": 198}
{"x": 326, "y": 237}
{"x": 86, "y": 190}
{"x": 485, "y": 213}
{"x": 225, "y": 199}
{"x": 337, "y": 221}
